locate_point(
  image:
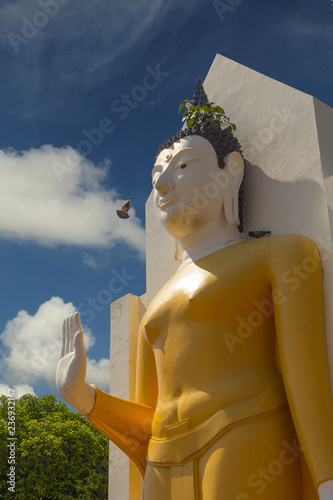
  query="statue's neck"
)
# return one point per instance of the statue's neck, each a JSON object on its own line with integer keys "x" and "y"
{"x": 208, "y": 239}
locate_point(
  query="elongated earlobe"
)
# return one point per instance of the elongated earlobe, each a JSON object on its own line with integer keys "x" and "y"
{"x": 234, "y": 167}
{"x": 231, "y": 209}
{"x": 179, "y": 251}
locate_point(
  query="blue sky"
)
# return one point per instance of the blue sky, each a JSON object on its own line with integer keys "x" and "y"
{"x": 89, "y": 90}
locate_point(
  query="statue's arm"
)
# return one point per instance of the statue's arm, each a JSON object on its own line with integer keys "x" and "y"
{"x": 297, "y": 285}
{"x": 126, "y": 423}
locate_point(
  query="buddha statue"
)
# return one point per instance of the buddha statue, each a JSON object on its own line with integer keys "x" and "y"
{"x": 233, "y": 398}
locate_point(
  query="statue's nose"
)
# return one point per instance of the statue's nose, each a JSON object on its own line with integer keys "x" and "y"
{"x": 164, "y": 183}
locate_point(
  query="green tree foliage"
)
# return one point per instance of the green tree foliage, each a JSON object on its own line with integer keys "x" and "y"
{"x": 206, "y": 115}
{"x": 58, "y": 453}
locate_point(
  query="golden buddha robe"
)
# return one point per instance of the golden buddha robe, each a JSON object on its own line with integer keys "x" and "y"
{"x": 233, "y": 397}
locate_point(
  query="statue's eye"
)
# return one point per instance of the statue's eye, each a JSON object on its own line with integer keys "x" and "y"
{"x": 183, "y": 165}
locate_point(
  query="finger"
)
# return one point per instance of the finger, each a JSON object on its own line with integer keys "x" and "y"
{"x": 73, "y": 331}
{"x": 75, "y": 328}
{"x": 79, "y": 348}
{"x": 63, "y": 339}
{"x": 67, "y": 335}
{"x": 77, "y": 322}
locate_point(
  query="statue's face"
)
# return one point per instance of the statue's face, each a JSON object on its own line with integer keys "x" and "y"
{"x": 188, "y": 188}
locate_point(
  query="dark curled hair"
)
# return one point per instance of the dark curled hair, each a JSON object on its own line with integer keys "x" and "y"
{"x": 223, "y": 143}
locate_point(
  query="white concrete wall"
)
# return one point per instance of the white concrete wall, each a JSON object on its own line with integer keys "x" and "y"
{"x": 126, "y": 313}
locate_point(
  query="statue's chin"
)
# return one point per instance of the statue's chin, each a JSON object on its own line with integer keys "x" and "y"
{"x": 179, "y": 225}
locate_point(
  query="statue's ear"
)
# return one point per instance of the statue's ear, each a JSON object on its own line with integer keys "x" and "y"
{"x": 234, "y": 167}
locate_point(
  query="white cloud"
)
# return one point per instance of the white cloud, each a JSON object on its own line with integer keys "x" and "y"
{"x": 54, "y": 195}
{"x": 32, "y": 346}
{"x": 90, "y": 261}
{"x": 98, "y": 373}
{"x": 19, "y": 389}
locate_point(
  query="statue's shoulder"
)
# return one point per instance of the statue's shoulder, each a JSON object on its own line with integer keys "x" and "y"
{"x": 292, "y": 248}
{"x": 292, "y": 242}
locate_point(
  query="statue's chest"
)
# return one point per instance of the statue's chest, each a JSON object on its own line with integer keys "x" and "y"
{"x": 195, "y": 298}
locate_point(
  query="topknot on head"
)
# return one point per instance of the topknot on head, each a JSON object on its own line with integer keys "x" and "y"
{"x": 207, "y": 121}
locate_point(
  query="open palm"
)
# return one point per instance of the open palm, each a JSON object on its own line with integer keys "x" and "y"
{"x": 71, "y": 369}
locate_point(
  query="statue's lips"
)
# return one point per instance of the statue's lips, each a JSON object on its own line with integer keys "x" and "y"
{"x": 168, "y": 200}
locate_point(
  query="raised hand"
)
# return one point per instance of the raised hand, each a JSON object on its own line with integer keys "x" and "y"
{"x": 71, "y": 369}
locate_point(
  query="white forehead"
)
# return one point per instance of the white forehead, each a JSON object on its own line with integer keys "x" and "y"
{"x": 186, "y": 145}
